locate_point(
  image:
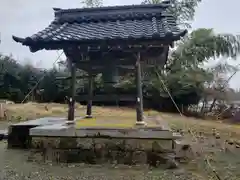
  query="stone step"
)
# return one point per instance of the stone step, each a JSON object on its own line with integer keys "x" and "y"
{"x": 18, "y": 136}
{"x": 177, "y": 135}
{"x": 3, "y": 134}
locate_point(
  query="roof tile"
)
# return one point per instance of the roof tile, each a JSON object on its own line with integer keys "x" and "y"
{"x": 142, "y": 21}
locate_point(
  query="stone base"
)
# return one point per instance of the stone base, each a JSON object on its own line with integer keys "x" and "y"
{"x": 88, "y": 116}
{"x": 141, "y": 123}
{"x": 61, "y": 142}
{"x": 70, "y": 122}
{"x": 104, "y": 150}
{"x": 183, "y": 151}
{"x": 58, "y": 141}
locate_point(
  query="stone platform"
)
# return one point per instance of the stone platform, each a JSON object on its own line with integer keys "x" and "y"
{"x": 104, "y": 143}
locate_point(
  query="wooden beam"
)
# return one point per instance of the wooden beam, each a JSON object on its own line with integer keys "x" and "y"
{"x": 70, "y": 77}
{"x": 139, "y": 108}
{"x": 104, "y": 45}
{"x": 120, "y": 56}
{"x": 90, "y": 95}
{"x": 71, "y": 100}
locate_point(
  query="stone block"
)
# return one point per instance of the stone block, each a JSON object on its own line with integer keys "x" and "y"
{"x": 51, "y": 142}
{"x": 112, "y": 144}
{"x": 67, "y": 143}
{"x": 128, "y": 158}
{"x": 101, "y": 150}
{"x": 146, "y": 145}
{"x": 183, "y": 150}
{"x": 102, "y": 143}
{"x": 18, "y": 137}
{"x": 37, "y": 143}
{"x": 139, "y": 157}
{"x": 120, "y": 157}
{"x": 52, "y": 155}
{"x": 35, "y": 156}
{"x": 46, "y": 142}
{"x": 85, "y": 143}
{"x": 87, "y": 156}
{"x": 96, "y": 150}
{"x": 162, "y": 146}
{"x": 156, "y": 159}
{"x": 69, "y": 156}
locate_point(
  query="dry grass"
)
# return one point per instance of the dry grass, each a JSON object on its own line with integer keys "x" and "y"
{"x": 28, "y": 111}
{"x": 114, "y": 115}
{"x": 204, "y": 126}
{"x": 21, "y": 112}
{"x": 35, "y": 110}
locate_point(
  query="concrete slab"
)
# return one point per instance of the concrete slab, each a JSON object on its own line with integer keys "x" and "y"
{"x": 54, "y": 130}
{"x": 62, "y": 130}
{"x": 42, "y": 121}
{"x": 100, "y": 127}
{"x": 133, "y": 133}
{"x": 4, "y": 131}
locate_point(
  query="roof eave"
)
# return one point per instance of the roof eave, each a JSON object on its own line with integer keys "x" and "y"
{"x": 183, "y": 33}
{"x": 34, "y": 47}
{"x": 18, "y": 39}
{"x": 24, "y": 41}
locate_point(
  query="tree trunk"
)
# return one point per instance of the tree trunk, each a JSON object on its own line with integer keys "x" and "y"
{"x": 212, "y": 105}
{"x": 203, "y": 106}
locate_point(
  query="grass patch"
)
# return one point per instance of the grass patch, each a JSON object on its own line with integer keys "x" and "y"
{"x": 102, "y": 123}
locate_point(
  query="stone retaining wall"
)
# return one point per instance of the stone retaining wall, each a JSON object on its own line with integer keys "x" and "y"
{"x": 105, "y": 150}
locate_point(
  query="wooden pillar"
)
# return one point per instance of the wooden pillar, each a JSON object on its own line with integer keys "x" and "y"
{"x": 71, "y": 101}
{"x": 90, "y": 95}
{"x": 139, "y": 104}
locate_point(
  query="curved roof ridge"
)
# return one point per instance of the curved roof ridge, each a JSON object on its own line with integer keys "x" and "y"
{"x": 110, "y": 13}
{"x": 164, "y": 4}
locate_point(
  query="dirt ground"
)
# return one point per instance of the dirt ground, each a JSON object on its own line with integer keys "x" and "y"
{"x": 215, "y": 146}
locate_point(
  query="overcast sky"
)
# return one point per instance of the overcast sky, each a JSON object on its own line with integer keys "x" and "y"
{"x": 25, "y": 17}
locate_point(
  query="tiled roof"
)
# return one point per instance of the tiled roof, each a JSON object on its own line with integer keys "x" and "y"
{"x": 106, "y": 23}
